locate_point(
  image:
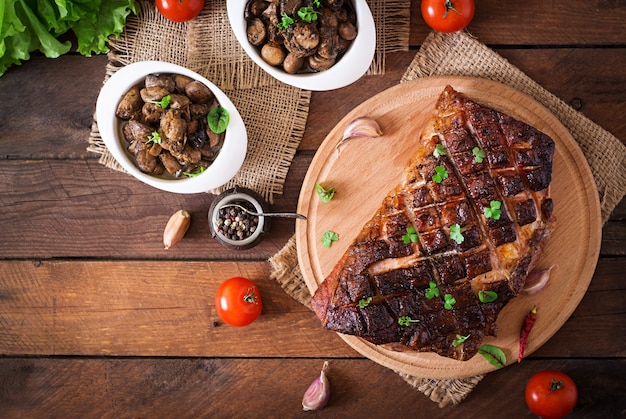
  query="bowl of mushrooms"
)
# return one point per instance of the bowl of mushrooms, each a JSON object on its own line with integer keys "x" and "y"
{"x": 310, "y": 44}
{"x": 171, "y": 128}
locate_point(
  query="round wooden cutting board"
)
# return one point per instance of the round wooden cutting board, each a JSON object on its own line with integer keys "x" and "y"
{"x": 365, "y": 170}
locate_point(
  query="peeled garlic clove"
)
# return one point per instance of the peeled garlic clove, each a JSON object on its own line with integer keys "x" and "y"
{"x": 318, "y": 393}
{"x": 363, "y": 126}
{"x": 536, "y": 281}
{"x": 176, "y": 227}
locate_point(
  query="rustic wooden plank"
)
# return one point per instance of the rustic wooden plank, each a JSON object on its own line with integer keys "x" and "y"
{"x": 273, "y": 388}
{"x": 78, "y": 208}
{"x": 148, "y": 308}
{"x": 60, "y": 129}
{"x": 157, "y": 308}
{"x": 537, "y": 22}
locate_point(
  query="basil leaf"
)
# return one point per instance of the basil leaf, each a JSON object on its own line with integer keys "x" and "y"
{"x": 218, "y": 119}
{"x": 494, "y": 355}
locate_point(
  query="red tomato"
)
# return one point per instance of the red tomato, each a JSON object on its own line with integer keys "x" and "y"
{"x": 551, "y": 394}
{"x": 179, "y": 10}
{"x": 238, "y": 301}
{"x": 447, "y": 15}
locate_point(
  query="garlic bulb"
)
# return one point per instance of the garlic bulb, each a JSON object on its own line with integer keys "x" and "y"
{"x": 318, "y": 393}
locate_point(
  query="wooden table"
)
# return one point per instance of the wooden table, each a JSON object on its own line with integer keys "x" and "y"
{"x": 97, "y": 320}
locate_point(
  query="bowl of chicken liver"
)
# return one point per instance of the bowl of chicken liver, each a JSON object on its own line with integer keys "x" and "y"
{"x": 310, "y": 44}
{"x": 171, "y": 128}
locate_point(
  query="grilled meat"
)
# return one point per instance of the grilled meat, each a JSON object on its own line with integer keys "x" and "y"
{"x": 453, "y": 242}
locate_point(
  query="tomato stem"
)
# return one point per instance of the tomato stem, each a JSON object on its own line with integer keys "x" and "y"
{"x": 250, "y": 297}
{"x": 554, "y": 386}
{"x": 449, "y": 6}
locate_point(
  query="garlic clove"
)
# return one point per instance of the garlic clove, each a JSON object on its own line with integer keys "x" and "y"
{"x": 176, "y": 227}
{"x": 361, "y": 127}
{"x": 318, "y": 393}
{"x": 536, "y": 281}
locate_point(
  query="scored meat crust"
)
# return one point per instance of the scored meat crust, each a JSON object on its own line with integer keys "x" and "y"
{"x": 421, "y": 272}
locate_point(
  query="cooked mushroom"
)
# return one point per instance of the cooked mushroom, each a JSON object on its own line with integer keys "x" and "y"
{"x": 151, "y": 113}
{"x": 130, "y": 104}
{"x": 302, "y": 39}
{"x": 290, "y": 7}
{"x": 292, "y": 63}
{"x": 198, "y": 92}
{"x": 179, "y": 101}
{"x": 273, "y": 54}
{"x": 170, "y": 163}
{"x": 181, "y": 82}
{"x": 320, "y": 63}
{"x": 256, "y": 32}
{"x": 173, "y": 128}
{"x": 160, "y": 80}
{"x": 255, "y": 8}
{"x": 328, "y": 43}
{"x": 137, "y": 131}
{"x": 153, "y": 94}
{"x": 347, "y": 31}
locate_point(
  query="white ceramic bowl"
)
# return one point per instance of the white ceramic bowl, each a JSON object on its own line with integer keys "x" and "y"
{"x": 348, "y": 69}
{"x": 225, "y": 166}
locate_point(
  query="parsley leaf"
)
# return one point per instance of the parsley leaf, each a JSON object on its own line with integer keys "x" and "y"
{"x": 479, "y": 155}
{"x": 329, "y": 237}
{"x": 406, "y": 320}
{"x": 487, "y": 296}
{"x": 455, "y": 233}
{"x": 440, "y": 150}
{"x": 324, "y": 194}
{"x": 432, "y": 291}
{"x": 440, "y": 174}
{"x": 410, "y": 236}
{"x": 448, "y": 301}
{"x": 493, "y": 211}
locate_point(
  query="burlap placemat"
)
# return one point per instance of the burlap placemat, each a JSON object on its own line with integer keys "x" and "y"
{"x": 460, "y": 54}
{"x": 275, "y": 114}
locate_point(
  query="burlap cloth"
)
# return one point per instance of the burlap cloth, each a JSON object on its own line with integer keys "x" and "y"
{"x": 275, "y": 114}
{"x": 461, "y": 54}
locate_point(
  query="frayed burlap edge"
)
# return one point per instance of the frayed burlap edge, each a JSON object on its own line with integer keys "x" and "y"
{"x": 461, "y": 54}
{"x": 285, "y": 270}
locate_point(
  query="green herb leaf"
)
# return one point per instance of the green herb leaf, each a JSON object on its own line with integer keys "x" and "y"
{"x": 324, "y": 194}
{"x": 440, "y": 174}
{"x": 440, "y": 150}
{"x": 494, "y": 355}
{"x": 329, "y": 237}
{"x": 455, "y": 233}
{"x": 406, "y": 320}
{"x": 218, "y": 119}
{"x": 286, "y": 20}
{"x": 308, "y": 14}
{"x": 479, "y": 155}
{"x": 487, "y": 296}
{"x": 448, "y": 301}
{"x": 493, "y": 211}
{"x": 432, "y": 290}
{"x": 164, "y": 102}
{"x": 410, "y": 236}
{"x": 459, "y": 340}
{"x": 154, "y": 138}
{"x": 196, "y": 171}
{"x": 364, "y": 302}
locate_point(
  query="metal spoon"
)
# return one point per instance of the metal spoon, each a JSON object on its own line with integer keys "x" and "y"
{"x": 267, "y": 214}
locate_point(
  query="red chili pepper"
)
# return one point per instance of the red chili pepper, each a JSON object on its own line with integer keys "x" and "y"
{"x": 527, "y": 326}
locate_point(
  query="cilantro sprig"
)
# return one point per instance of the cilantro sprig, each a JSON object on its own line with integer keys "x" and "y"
{"x": 440, "y": 150}
{"x": 329, "y": 237}
{"x": 479, "y": 155}
{"x": 448, "y": 301}
{"x": 154, "y": 138}
{"x": 493, "y": 211}
{"x": 285, "y": 21}
{"x": 459, "y": 340}
{"x": 163, "y": 103}
{"x": 364, "y": 302}
{"x": 324, "y": 194}
{"x": 410, "y": 236}
{"x": 440, "y": 174}
{"x": 406, "y": 320}
{"x": 432, "y": 291}
{"x": 308, "y": 14}
{"x": 455, "y": 233}
{"x": 487, "y": 296}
